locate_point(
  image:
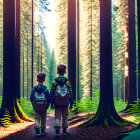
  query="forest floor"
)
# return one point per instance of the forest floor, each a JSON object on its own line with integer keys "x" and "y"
{"x": 25, "y": 131}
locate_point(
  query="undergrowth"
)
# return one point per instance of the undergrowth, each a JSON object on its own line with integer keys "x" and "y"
{"x": 90, "y": 104}
{"x": 135, "y": 110}
{"x": 86, "y": 104}
{"x": 28, "y": 108}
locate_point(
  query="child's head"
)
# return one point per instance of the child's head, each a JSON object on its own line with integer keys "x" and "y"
{"x": 41, "y": 77}
{"x": 61, "y": 69}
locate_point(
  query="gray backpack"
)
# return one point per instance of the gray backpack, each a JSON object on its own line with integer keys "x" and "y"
{"x": 62, "y": 95}
{"x": 40, "y": 100}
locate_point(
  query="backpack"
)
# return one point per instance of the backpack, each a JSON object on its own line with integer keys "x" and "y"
{"x": 62, "y": 95}
{"x": 40, "y": 100}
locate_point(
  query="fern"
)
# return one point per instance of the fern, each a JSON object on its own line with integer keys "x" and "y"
{"x": 91, "y": 104}
{"x": 6, "y": 120}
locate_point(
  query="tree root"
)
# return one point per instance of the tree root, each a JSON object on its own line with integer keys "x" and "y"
{"x": 22, "y": 115}
{"x": 10, "y": 116}
{"x": 106, "y": 121}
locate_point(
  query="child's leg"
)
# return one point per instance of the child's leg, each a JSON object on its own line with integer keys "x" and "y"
{"x": 37, "y": 119}
{"x": 65, "y": 118}
{"x": 43, "y": 120}
{"x": 37, "y": 123}
{"x": 43, "y": 123}
{"x": 57, "y": 118}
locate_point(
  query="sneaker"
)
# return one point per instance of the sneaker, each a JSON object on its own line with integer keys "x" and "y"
{"x": 43, "y": 132}
{"x": 65, "y": 132}
{"x": 57, "y": 134}
{"x": 37, "y": 132}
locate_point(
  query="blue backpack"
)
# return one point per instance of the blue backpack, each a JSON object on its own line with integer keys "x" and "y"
{"x": 40, "y": 100}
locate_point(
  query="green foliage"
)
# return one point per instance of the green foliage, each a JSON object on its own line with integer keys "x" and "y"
{"x": 91, "y": 104}
{"x": 135, "y": 110}
{"x": 6, "y": 119}
{"x": 28, "y": 108}
{"x": 119, "y": 104}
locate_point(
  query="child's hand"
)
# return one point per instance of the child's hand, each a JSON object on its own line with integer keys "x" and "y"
{"x": 71, "y": 107}
{"x": 52, "y": 107}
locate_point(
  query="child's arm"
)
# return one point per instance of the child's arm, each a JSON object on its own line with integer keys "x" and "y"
{"x": 32, "y": 97}
{"x": 71, "y": 96}
{"x": 52, "y": 93}
{"x": 47, "y": 97}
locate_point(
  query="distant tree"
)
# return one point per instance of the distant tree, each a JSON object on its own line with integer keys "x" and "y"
{"x": 138, "y": 13}
{"x": 131, "y": 55}
{"x": 11, "y": 67}
{"x": 27, "y": 66}
{"x": 106, "y": 113}
{"x": 53, "y": 68}
{"x": 32, "y": 43}
{"x": 77, "y": 62}
{"x": 89, "y": 38}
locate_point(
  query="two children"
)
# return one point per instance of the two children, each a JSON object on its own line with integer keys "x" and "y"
{"x": 60, "y": 96}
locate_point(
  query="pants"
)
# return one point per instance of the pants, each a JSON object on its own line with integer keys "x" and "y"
{"x": 40, "y": 115}
{"x": 61, "y": 112}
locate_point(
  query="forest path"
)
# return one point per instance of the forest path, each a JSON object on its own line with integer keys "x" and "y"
{"x": 27, "y": 131}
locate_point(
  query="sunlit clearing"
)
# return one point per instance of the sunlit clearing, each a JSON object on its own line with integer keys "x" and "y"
{"x": 4, "y": 132}
{"x": 48, "y": 20}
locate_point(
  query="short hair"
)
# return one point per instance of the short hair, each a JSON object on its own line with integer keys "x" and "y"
{"x": 41, "y": 77}
{"x": 61, "y": 69}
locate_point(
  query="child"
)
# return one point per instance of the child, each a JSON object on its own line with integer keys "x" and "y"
{"x": 40, "y": 101}
{"x": 60, "y": 96}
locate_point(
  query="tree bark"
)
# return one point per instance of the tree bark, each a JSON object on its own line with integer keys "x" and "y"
{"x": 72, "y": 45}
{"x": 32, "y": 42}
{"x": 106, "y": 113}
{"x": 91, "y": 54}
{"x": 77, "y": 40}
{"x": 11, "y": 66}
{"x": 138, "y": 13}
{"x": 131, "y": 55}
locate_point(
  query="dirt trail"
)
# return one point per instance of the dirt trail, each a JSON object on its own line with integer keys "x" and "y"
{"x": 29, "y": 132}
{"x": 97, "y": 132}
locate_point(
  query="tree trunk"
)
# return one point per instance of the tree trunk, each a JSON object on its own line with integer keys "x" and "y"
{"x": 23, "y": 68}
{"x": 72, "y": 45}
{"x": 131, "y": 55}
{"x": 77, "y": 40}
{"x": 27, "y": 67}
{"x": 11, "y": 67}
{"x": 17, "y": 49}
{"x": 91, "y": 54}
{"x": 32, "y": 42}
{"x": 138, "y": 8}
{"x": 106, "y": 113}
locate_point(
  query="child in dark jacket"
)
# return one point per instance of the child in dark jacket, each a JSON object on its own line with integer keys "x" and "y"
{"x": 60, "y": 97}
{"x": 40, "y": 101}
